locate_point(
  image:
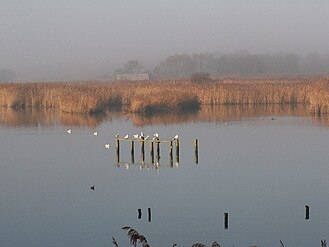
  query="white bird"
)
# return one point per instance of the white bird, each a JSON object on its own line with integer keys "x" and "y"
{"x": 142, "y": 134}
{"x": 69, "y": 131}
{"x": 136, "y": 136}
{"x": 117, "y": 136}
{"x": 126, "y": 136}
{"x": 147, "y": 137}
{"x": 175, "y": 137}
{"x": 95, "y": 133}
{"x": 156, "y": 135}
{"x": 107, "y": 146}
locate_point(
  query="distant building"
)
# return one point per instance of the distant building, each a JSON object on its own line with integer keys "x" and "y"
{"x": 133, "y": 77}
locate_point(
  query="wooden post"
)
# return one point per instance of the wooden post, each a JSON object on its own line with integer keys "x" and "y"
{"x": 225, "y": 220}
{"x": 152, "y": 151}
{"x": 171, "y": 153}
{"x": 307, "y": 212}
{"x": 157, "y": 141}
{"x": 132, "y": 152}
{"x": 177, "y": 151}
{"x": 149, "y": 214}
{"x": 196, "y": 151}
{"x": 323, "y": 243}
{"x": 117, "y": 144}
{"x": 143, "y": 149}
{"x": 139, "y": 213}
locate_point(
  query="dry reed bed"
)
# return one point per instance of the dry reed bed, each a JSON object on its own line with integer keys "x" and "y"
{"x": 165, "y": 96}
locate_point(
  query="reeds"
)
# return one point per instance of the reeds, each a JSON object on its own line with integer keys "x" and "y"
{"x": 136, "y": 238}
{"x": 165, "y": 96}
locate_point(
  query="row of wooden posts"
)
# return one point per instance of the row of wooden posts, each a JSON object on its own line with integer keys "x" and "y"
{"x": 157, "y": 143}
{"x": 149, "y": 214}
{"x": 307, "y": 216}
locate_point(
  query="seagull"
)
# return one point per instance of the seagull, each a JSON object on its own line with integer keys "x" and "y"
{"x": 69, "y": 131}
{"x": 126, "y": 136}
{"x": 147, "y": 137}
{"x": 156, "y": 135}
{"x": 175, "y": 137}
{"x": 95, "y": 133}
{"x": 136, "y": 136}
{"x": 92, "y": 187}
{"x": 117, "y": 136}
{"x": 107, "y": 146}
{"x": 142, "y": 134}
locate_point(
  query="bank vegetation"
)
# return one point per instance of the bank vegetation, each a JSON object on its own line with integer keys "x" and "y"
{"x": 166, "y": 96}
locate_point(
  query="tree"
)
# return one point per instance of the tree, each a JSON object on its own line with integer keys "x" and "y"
{"x": 175, "y": 67}
{"x": 133, "y": 67}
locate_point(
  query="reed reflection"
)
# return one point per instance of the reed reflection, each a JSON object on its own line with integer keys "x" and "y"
{"x": 30, "y": 117}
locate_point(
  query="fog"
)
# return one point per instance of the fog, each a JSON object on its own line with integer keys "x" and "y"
{"x": 87, "y": 39}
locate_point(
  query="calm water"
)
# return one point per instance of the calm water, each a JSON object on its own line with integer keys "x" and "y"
{"x": 262, "y": 166}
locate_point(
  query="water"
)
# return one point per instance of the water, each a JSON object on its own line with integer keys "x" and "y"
{"x": 262, "y": 166}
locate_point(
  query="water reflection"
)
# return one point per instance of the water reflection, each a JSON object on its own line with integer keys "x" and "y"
{"x": 262, "y": 176}
{"x": 146, "y": 165}
{"x": 215, "y": 114}
{"x": 47, "y": 118}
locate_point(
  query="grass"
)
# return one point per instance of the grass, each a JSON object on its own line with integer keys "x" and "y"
{"x": 136, "y": 238}
{"x": 166, "y": 96}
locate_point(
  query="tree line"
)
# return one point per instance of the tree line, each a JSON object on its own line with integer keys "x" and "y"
{"x": 243, "y": 64}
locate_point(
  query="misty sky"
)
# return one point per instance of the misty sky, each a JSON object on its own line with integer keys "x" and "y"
{"x": 80, "y": 39}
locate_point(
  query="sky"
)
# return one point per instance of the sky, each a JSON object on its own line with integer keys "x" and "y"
{"x": 85, "y": 39}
